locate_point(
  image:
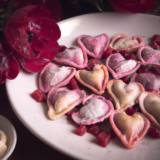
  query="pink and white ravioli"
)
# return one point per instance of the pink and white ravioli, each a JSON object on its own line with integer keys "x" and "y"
{"x": 124, "y": 94}
{"x": 95, "y": 109}
{"x": 150, "y": 106}
{"x": 62, "y": 100}
{"x": 72, "y": 56}
{"x": 122, "y": 42}
{"x": 54, "y": 75}
{"x": 94, "y": 46}
{"x": 150, "y": 81}
{"x": 119, "y": 66}
{"x": 130, "y": 129}
{"x": 148, "y": 55}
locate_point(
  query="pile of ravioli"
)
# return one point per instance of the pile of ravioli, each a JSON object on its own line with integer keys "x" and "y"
{"x": 105, "y": 79}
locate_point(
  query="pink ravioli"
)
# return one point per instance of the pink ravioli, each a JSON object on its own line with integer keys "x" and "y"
{"x": 130, "y": 129}
{"x": 72, "y": 56}
{"x": 94, "y": 46}
{"x": 95, "y": 80}
{"x": 55, "y": 76}
{"x": 95, "y": 109}
{"x": 119, "y": 66}
{"x": 150, "y": 81}
{"x": 124, "y": 94}
{"x": 62, "y": 100}
{"x": 150, "y": 106}
{"x": 148, "y": 55}
{"x": 122, "y": 42}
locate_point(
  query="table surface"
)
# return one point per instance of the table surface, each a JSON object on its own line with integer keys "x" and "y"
{"x": 28, "y": 146}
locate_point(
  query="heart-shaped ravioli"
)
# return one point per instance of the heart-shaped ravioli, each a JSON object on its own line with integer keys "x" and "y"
{"x": 94, "y": 46}
{"x": 122, "y": 42}
{"x": 150, "y": 81}
{"x": 124, "y": 94}
{"x": 150, "y": 106}
{"x": 72, "y": 56}
{"x": 120, "y": 67}
{"x": 61, "y": 100}
{"x": 148, "y": 55}
{"x": 130, "y": 129}
{"x": 95, "y": 80}
{"x": 55, "y": 76}
{"x": 95, "y": 109}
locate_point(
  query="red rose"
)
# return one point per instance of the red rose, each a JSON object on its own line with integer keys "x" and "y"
{"x": 133, "y": 6}
{"x": 9, "y": 67}
{"x": 32, "y": 36}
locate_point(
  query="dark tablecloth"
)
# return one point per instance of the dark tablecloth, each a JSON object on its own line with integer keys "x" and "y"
{"x": 28, "y": 146}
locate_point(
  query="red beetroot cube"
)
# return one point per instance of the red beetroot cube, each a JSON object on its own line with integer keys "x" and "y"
{"x": 93, "y": 62}
{"x": 73, "y": 84}
{"x": 153, "y": 132}
{"x": 131, "y": 110}
{"x": 103, "y": 138}
{"x": 38, "y": 95}
{"x": 106, "y": 54}
{"x": 126, "y": 79}
{"x": 124, "y": 53}
{"x": 62, "y": 48}
{"x": 131, "y": 56}
{"x": 88, "y": 69}
{"x": 81, "y": 130}
{"x": 144, "y": 70}
{"x": 95, "y": 130}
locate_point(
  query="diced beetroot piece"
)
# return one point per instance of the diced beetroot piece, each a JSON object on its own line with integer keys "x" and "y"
{"x": 81, "y": 130}
{"x": 88, "y": 69}
{"x": 106, "y": 54}
{"x": 155, "y": 42}
{"x": 62, "y": 48}
{"x": 93, "y": 62}
{"x": 95, "y": 130}
{"x": 131, "y": 56}
{"x": 126, "y": 79}
{"x": 131, "y": 110}
{"x": 156, "y": 37}
{"x": 103, "y": 138}
{"x": 124, "y": 53}
{"x": 144, "y": 70}
{"x": 112, "y": 134}
{"x": 156, "y": 69}
{"x": 74, "y": 84}
{"x": 38, "y": 95}
{"x": 153, "y": 132}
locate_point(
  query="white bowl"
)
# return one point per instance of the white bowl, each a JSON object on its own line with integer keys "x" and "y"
{"x": 7, "y": 127}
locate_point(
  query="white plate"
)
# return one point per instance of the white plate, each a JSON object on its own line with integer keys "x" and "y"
{"x": 60, "y": 134}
